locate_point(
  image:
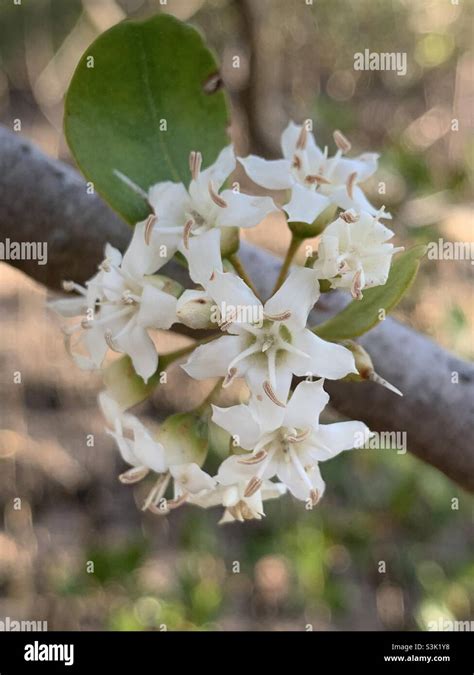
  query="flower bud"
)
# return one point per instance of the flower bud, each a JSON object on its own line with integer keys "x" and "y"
{"x": 365, "y": 367}
{"x": 308, "y": 230}
{"x": 229, "y": 241}
{"x": 194, "y": 309}
{"x": 184, "y": 437}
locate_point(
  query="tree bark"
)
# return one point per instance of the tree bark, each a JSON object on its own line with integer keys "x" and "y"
{"x": 43, "y": 199}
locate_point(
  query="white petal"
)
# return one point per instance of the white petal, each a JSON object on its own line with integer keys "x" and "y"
{"x": 244, "y": 210}
{"x": 306, "y": 404}
{"x": 227, "y": 289}
{"x": 338, "y": 437}
{"x": 271, "y": 490}
{"x": 270, "y": 174}
{"x": 364, "y": 166}
{"x": 218, "y": 172}
{"x": 212, "y": 360}
{"x": 142, "y": 258}
{"x": 305, "y": 205}
{"x": 96, "y": 345}
{"x": 288, "y": 143}
{"x": 191, "y": 478}
{"x": 233, "y": 471}
{"x": 170, "y": 201}
{"x": 359, "y": 201}
{"x": 299, "y": 293}
{"x": 239, "y": 422}
{"x": 326, "y": 265}
{"x": 157, "y": 308}
{"x": 149, "y": 453}
{"x": 204, "y": 256}
{"x": 287, "y": 473}
{"x": 125, "y": 447}
{"x": 326, "y": 358}
{"x": 138, "y": 345}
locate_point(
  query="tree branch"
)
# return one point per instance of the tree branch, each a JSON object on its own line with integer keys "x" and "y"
{"x": 41, "y": 198}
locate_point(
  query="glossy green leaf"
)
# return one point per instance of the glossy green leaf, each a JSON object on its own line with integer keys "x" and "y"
{"x": 140, "y": 100}
{"x": 362, "y": 315}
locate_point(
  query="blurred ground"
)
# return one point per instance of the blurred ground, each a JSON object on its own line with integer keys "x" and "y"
{"x": 294, "y": 568}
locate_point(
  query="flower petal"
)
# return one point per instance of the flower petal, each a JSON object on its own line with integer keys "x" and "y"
{"x": 305, "y": 205}
{"x": 191, "y": 478}
{"x": 244, "y": 210}
{"x": 227, "y": 289}
{"x": 289, "y": 139}
{"x": 239, "y": 422}
{"x": 212, "y": 360}
{"x": 298, "y": 294}
{"x": 157, "y": 308}
{"x": 270, "y": 174}
{"x": 204, "y": 256}
{"x": 306, "y": 404}
{"x": 326, "y": 358}
{"x": 334, "y": 438}
{"x": 136, "y": 342}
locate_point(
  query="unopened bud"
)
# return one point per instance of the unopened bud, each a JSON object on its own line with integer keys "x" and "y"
{"x": 194, "y": 309}
{"x": 365, "y": 367}
{"x": 229, "y": 241}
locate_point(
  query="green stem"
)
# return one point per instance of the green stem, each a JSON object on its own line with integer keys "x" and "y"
{"x": 241, "y": 271}
{"x": 290, "y": 254}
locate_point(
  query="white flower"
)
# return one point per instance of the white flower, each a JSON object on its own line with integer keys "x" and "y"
{"x": 230, "y": 493}
{"x": 287, "y": 443}
{"x": 272, "y": 344}
{"x": 316, "y": 180}
{"x": 181, "y": 213}
{"x": 138, "y": 448}
{"x": 353, "y": 253}
{"x": 119, "y": 305}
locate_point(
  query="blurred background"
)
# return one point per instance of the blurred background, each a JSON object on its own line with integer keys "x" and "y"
{"x": 295, "y": 568}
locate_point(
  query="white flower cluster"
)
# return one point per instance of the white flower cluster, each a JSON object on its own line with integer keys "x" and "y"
{"x": 277, "y": 434}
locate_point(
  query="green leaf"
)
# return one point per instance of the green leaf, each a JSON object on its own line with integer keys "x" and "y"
{"x": 141, "y": 76}
{"x": 362, "y": 315}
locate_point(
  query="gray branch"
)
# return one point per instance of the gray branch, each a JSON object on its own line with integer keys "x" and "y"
{"x": 43, "y": 199}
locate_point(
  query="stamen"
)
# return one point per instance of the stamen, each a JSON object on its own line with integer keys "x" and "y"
{"x": 255, "y": 459}
{"x": 156, "y": 493}
{"x": 267, "y": 388}
{"x": 302, "y": 138}
{"x": 298, "y": 438}
{"x": 151, "y": 220}
{"x": 349, "y": 216}
{"x": 68, "y": 286}
{"x": 253, "y": 486}
{"x": 215, "y": 197}
{"x": 296, "y": 164}
{"x": 341, "y": 141}
{"x": 314, "y": 497}
{"x": 278, "y": 317}
{"x": 178, "y": 501}
{"x": 350, "y": 184}
{"x": 356, "y": 288}
{"x": 187, "y": 232}
{"x": 110, "y": 341}
{"x": 133, "y": 475}
{"x": 227, "y": 321}
{"x": 195, "y": 162}
{"x": 312, "y": 179}
{"x": 105, "y": 265}
{"x": 229, "y": 378}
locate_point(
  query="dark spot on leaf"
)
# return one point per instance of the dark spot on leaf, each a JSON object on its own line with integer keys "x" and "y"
{"x": 213, "y": 83}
